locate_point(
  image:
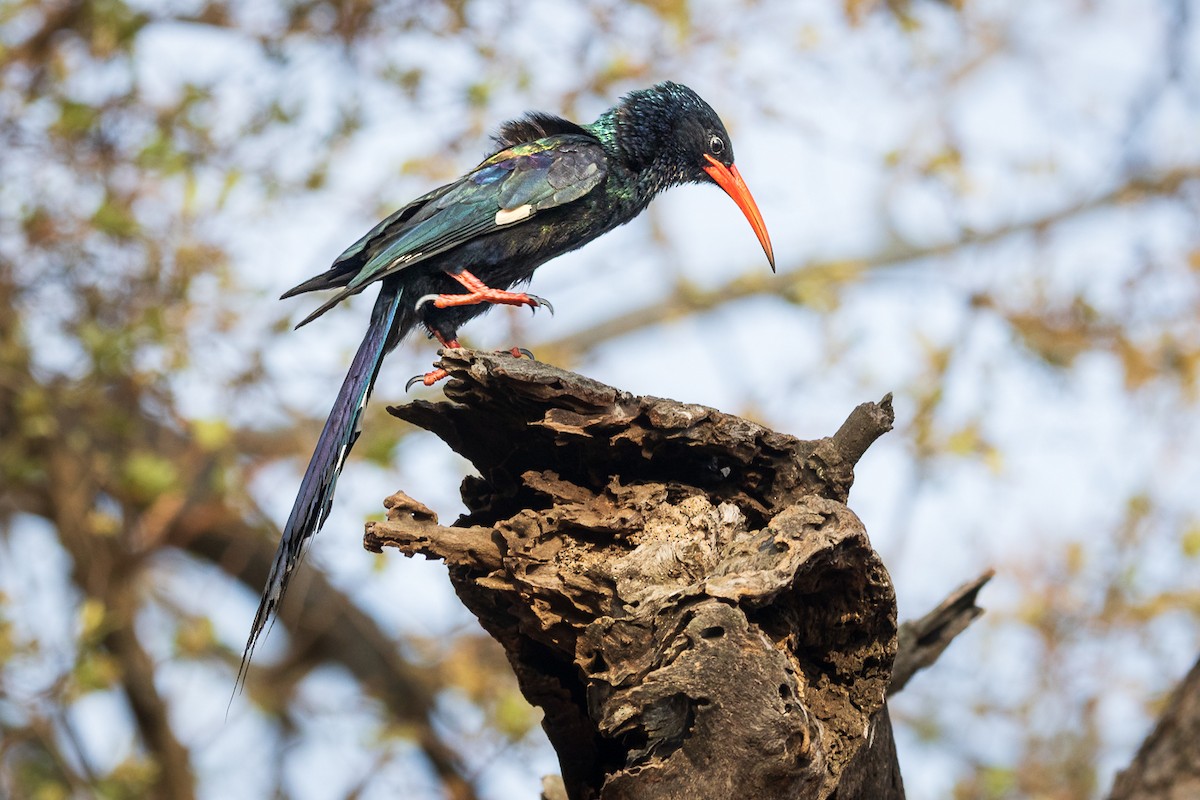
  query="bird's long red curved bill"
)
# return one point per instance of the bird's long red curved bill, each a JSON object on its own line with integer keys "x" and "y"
{"x": 729, "y": 179}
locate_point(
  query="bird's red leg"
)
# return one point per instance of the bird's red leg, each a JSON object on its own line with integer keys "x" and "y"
{"x": 480, "y": 292}
{"x": 434, "y": 375}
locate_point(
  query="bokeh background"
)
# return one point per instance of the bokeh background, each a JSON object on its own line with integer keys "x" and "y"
{"x": 988, "y": 208}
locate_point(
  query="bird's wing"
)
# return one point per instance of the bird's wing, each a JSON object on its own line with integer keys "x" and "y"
{"x": 347, "y": 265}
{"x": 509, "y": 188}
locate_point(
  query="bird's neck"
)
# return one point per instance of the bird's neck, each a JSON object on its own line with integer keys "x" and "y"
{"x": 634, "y": 150}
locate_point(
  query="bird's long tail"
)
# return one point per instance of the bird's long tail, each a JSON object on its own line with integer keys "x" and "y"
{"x": 341, "y": 430}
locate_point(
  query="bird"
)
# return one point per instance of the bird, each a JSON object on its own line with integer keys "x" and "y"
{"x": 550, "y": 186}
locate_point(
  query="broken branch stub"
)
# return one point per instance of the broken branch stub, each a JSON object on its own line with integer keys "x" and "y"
{"x": 683, "y": 592}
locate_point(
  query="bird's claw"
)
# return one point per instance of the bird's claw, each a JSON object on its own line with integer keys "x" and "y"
{"x": 425, "y": 298}
{"x": 429, "y": 378}
{"x": 536, "y": 301}
{"x": 435, "y": 375}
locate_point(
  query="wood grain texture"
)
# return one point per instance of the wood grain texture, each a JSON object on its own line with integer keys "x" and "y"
{"x": 684, "y": 592}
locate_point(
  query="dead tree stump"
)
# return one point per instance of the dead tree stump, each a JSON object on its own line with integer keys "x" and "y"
{"x": 684, "y": 592}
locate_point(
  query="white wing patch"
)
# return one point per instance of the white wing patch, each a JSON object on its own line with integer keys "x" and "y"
{"x": 507, "y": 216}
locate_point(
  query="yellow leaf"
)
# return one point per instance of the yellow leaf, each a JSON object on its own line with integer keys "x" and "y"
{"x": 102, "y": 523}
{"x": 8, "y": 642}
{"x": 1076, "y": 558}
{"x": 75, "y": 119}
{"x": 51, "y": 791}
{"x": 195, "y": 637}
{"x": 96, "y": 671}
{"x": 512, "y": 715}
{"x": 149, "y": 475}
{"x": 91, "y": 618}
{"x": 211, "y": 434}
{"x": 964, "y": 442}
{"x": 1190, "y": 541}
{"x": 115, "y": 218}
{"x": 994, "y": 459}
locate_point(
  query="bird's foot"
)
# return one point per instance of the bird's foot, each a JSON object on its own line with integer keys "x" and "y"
{"x": 435, "y": 375}
{"x": 479, "y": 292}
{"x": 497, "y": 296}
{"x": 429, "y": 378}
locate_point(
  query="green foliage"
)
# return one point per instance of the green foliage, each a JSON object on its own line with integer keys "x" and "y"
{"x": 132, "y": 779}
{"x": 147, "y": 476}
{"x": 195, "y": 637}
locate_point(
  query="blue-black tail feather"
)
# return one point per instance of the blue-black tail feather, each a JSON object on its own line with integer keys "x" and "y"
{"x": 390, "y": 321}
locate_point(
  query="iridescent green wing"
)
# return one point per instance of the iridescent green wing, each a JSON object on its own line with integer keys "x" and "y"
{"x": 508, "y": 189}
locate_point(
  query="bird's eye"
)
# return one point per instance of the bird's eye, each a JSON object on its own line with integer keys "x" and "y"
{"x": 717, "y": 145}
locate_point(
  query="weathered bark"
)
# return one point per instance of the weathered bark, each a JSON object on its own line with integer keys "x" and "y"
{"x": 683, "y": 592}
{"x": 875, "y": 770}
{"x": 1167, "y": 767}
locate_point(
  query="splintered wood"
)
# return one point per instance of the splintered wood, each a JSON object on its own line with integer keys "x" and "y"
{"x": 683, "y": 592}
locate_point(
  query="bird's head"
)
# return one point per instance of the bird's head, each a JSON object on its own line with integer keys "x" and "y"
{"x": 669, "y": 134}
